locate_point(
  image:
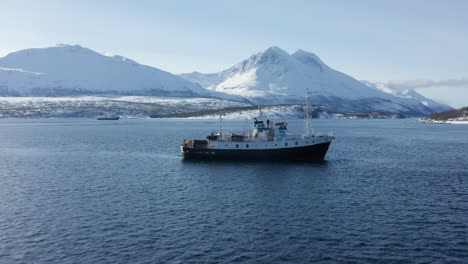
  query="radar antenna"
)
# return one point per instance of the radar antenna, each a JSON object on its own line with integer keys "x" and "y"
{"x": 221, "y": 113}
{"x": 307, "y": 119}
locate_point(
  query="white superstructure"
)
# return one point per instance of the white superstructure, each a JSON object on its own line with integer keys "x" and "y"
{"x": 265, "y": 135}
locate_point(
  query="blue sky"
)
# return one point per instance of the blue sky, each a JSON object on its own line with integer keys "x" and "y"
{"x": 375, "y": 40}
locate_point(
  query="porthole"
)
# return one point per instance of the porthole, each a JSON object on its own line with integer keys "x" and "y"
{"x": 307, "y": 142}
{"x": 286, "y": 144}
{"x": 296, "y": 143}
{"x": 247, "y": 146}
{"x": 276, "y": 144}
{"x": 237, "y": 145}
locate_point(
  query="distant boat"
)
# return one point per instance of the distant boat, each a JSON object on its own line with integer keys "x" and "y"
{"x": 112, "y": 117}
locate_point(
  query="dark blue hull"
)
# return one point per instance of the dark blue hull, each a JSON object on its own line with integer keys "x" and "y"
{"x": 108, "y": 118}
{"x": 308, "y": 153}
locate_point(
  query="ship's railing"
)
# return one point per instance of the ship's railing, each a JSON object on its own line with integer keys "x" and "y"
{"x": 293, "y": 136}
{"x": 230, "y": 136}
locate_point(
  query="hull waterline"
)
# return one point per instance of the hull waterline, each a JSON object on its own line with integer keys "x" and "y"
{"x": 315, "y": 152}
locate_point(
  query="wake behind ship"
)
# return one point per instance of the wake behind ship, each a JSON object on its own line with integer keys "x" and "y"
{"x": 268, "y": 141}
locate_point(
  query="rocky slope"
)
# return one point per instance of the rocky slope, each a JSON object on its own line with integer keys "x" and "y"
{"x": 457, "y": 114}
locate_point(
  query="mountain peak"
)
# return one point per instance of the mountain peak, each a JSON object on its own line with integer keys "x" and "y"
{"x": 271, "y": 55}
{"x": 66, "y": 46}
{"x": 307, "y": 57}
{"x": 55, "y": 50}
{"x": 273, "y": 52}
{"x": 274, "y": 49}
{"x": 73, "y": 69}
{"x": 301, "y": 52}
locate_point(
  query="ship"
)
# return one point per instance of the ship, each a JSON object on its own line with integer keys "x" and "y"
{"x": 108, "y": 117}
{"x": 269, "y": 141}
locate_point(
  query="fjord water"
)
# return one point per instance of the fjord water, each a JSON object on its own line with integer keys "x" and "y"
{"x": 86, "y": 191}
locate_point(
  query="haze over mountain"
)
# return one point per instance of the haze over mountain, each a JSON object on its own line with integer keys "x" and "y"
{"x": 274, "y": 76}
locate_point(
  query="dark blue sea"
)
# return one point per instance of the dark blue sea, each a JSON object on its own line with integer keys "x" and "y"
{"x": 87, "y": 191}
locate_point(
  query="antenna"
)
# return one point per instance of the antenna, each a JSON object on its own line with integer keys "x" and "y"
{"x": 220, "y": 124}
{"x": 260, "y": 112}
{"x": 307, "y": 120}
{"x": 221, "y": 112}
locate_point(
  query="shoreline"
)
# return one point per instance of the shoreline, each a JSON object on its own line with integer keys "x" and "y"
{"x": 450, "y": 122}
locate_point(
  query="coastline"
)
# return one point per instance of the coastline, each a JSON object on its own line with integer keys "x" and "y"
{"x": 452, "y": 122}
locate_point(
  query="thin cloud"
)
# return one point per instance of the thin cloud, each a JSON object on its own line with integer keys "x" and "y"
{"x": 415, "y": 84}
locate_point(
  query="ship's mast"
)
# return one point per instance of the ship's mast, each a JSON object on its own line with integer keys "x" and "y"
{"x": 220, "y": 124}
{"x": 307, "y": 119}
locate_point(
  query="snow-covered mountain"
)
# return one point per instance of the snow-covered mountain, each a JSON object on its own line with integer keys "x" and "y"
{"x": 273, "y": 76}
{"x": 270, "y": 77}
{"x": 65, "y": 70}
{"x": 409, "y": 94}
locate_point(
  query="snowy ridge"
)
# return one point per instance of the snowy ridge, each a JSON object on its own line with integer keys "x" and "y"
{"x": 91, "y": 106}
{"x": 275, "y": 73}
{"x": 409, "y": 94}
{"x": 170, "y": 107}
{"x": 278, "y": 112}
{"x": 270, "y": 77}
{"x": 73, "y": 70}
{"x": 274, "y": 76}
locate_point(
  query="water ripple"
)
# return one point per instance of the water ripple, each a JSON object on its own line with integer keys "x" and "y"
{"x": 396, "y": 192}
